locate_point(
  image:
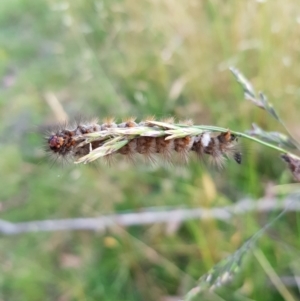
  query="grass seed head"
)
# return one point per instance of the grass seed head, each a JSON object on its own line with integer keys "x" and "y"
{"x": 87, "y": 142}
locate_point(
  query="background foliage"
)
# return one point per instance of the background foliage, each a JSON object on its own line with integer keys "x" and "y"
{"x": 123, "y": 58}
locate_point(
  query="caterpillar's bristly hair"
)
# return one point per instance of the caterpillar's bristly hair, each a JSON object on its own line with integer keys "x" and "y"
{"x": 182, "y": 146}
{"x": 109, "y": 160}
{"x": 167, "y": 120}
{"x": 88, "y": 141}
{"x": 164, "y": 148}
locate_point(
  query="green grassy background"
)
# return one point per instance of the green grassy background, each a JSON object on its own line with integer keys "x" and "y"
{"x": 140, "y": 58}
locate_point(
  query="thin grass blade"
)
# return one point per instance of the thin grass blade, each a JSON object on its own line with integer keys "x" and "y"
{"x": 273, "y": 137}
{"x": 224, "y": 271}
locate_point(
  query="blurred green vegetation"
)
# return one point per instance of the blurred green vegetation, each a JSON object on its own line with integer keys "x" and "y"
{"x": 123, "y": 58}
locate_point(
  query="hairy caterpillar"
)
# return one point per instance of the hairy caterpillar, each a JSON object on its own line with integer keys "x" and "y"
{"x": 86, "y": 142}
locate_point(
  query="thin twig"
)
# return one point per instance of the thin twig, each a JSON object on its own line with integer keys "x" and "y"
{"x": 149, "y": 217}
